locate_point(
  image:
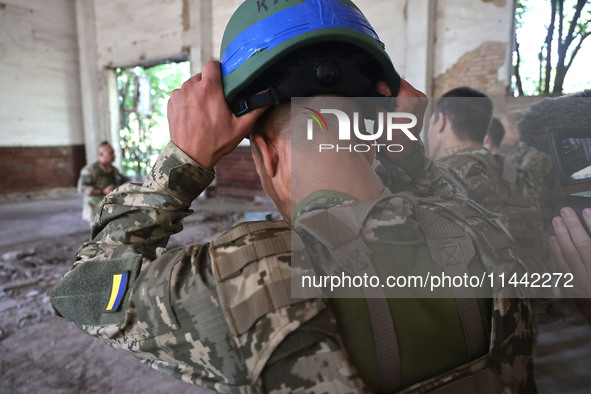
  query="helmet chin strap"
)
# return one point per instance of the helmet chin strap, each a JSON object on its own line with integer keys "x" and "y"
{"x": 271, "y": 96}
{"x": 309, "y": 77}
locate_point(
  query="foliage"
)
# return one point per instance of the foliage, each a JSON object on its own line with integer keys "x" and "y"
{"x": 142, "y": 108}
{"x": 569, "y": 24}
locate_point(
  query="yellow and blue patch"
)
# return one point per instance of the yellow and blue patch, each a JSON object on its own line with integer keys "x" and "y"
{"x": 117, "y": 291}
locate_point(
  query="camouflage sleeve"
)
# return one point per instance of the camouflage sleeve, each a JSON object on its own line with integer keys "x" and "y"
{"x": 528, "y": 188}
{"x": 85, "y": 181}
{"x": 415, "y": 173}
{"x": 160, "y": 305}
{"x": 549, "y": 190}
{"x": 144, "y": 216}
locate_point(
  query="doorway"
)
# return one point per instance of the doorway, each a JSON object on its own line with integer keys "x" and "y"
{"x": 143, "y": 94}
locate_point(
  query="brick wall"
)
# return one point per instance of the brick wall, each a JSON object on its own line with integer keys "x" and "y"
{"x": 236, "y": 175}
{"x": 29, "y": 169}
{"x": 478, "y": 69}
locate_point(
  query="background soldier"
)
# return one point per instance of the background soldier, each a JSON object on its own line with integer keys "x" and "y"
{"x": 534, "y": 162}
{"x": 456, "y": 133}
{"x": 97, "y": 180}
{"x": 494, "y": 136}
{"x": 220, "y": 315}
{"x": 511, "y": 140}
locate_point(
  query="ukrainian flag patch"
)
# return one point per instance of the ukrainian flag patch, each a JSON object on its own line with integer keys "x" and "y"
{"x": 117, "y": 291}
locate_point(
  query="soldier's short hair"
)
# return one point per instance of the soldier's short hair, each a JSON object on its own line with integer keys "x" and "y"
{"x": 573, "y": 110}
{"x": 469, "y": 111}
{"x": 105, "y": 142}
{"x": 496, "y": 132}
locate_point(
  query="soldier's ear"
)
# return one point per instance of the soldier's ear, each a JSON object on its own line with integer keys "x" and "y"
{"x": 440, "y": 122}
{"x": 268, "y": 152}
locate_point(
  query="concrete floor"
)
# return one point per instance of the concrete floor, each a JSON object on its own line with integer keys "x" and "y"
{"x": 42, "y": 353}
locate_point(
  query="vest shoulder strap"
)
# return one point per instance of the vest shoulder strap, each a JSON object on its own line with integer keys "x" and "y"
{"x": 339, "y": 230}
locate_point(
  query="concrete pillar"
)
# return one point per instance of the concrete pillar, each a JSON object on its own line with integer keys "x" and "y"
{"x": 114, "y": 115}
{"x": 93, "y": 81}
{"x": 198, "y": 32}
{"x": 420, "y": 36}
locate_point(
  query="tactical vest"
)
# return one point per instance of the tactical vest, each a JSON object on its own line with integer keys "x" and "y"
{"x": 252, "y": 269}
{"x": 515, "y": 202}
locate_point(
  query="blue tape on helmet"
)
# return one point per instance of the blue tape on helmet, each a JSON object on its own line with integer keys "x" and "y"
{"x": 302, "y": 18}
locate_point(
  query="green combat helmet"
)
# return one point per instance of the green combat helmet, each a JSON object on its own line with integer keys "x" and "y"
{"x": 343, "y": 54}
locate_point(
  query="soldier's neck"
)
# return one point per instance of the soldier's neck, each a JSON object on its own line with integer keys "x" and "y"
{"x": 453, "y": 147}
{"x": 357, "y": 180}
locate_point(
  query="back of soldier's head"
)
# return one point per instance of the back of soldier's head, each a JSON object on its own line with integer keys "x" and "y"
{"x": 274, "y": 51}
{"x": 511, "y": 118}
{"x": 469, "y": 112}
{"x": 496, "y": 132}
{"x": 572, "y": 111}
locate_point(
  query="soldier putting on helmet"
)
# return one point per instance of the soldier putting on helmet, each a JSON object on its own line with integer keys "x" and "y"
{"x": 221, "y": 315}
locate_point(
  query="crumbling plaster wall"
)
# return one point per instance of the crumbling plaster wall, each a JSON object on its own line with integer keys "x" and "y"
{"x": 441, "y": 44}
{"x": 473, "y": 45}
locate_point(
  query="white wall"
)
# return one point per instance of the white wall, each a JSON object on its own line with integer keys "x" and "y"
{"x": 389, "y": 20}
{"x": 40, "y": 102}
{"x": 221, "y": 13}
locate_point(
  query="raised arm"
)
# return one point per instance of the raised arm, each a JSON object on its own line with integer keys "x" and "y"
{"x": 127, "y": 289}
{"x": 410, "y": 170}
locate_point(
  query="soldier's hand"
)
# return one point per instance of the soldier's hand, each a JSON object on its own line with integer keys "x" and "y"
{"x": 200, "y": 121}
{"x": 571, "y": 249}
{"x": 412, "y": 101}
{"x": 108, "y": 189}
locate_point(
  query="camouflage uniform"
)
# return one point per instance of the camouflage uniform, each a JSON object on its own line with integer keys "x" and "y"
{"x": 416, "y": 174}
{"x": 501, "y": 187}
{"x": 541, "y": 169}
{"x": 220, "y": 315}
{"x": 96, "y": 176}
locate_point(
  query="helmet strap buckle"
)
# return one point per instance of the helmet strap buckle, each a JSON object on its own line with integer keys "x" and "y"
{"x": 269, "y": 97}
